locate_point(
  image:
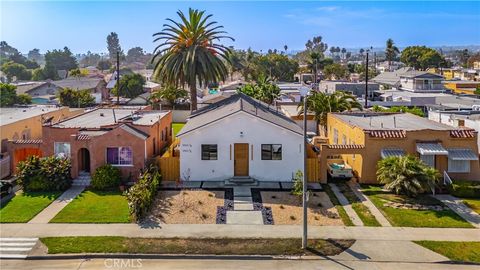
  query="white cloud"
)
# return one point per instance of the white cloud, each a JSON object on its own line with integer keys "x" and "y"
{"x": 328, "y": 8}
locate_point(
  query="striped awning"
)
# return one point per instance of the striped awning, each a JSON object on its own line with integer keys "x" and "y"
{"x": 431, "y": 149}
{"x": 462, "y": 154}
{"x": 392, "y": 152}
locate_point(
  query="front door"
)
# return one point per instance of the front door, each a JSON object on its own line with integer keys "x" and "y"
{"x": 240, "y": 159}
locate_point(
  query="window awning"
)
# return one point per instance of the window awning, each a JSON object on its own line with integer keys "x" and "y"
{"x": 392, "y": 152}
{"x": 462, "y": 154}
{"x": 431, "y": 149}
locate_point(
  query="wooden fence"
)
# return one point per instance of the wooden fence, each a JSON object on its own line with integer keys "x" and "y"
{"x": 313, "y": 170}
{"x": 169, "y": 168}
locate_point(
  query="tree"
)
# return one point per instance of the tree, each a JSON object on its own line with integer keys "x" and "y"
{"x": 135, "y": 54}
{"x": 236, "y": 61}
{"x": 362, "y": 50}
{"x": 168, "y": 93}
{"x": 321, "y": 104}
{"x": 406, "y": 175}
{"x": 75, "y": 99}
{"x": 91, "y": 59}
{"x": 19, "y": 71}
{"x": 472, "y": 59}
{"x": 335, "y": 71}
{"x": 188, "y": 52}
{"x": 35, "y": 55}
{"x": 38, "y": 75}
{"x": 391, "y": 51}
{"x": 23, "y": 99}
{"x": 8, "y": 95}
{"x": 276, "y": 66}
{"x": 415, "y": 110}
{"x": 113, "y": 46}
{"x": 263, "y": 89}
{"x": 131, "y": 85}
{"x": 421, "y": 57}
{"x": 285, "y": 48}
{"x": 104, "y": 65}
{"x": 58, "y": 60}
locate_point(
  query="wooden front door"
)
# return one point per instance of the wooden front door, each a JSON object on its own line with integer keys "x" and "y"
{"x": 240, "y": 164}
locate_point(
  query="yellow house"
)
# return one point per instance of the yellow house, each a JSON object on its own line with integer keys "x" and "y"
{"x": 364, "y": 138}
{"x": 25, "y": 123}
{"x": 462, "y": 87}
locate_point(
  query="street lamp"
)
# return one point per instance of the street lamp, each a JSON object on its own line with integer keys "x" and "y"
{"x": 304, "y": 91}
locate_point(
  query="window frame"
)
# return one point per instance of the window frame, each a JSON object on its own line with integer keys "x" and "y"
{"x": 119, "y": 148}
{"x": 209, "y": 150}
{"x": 64, "y": 143}
{"x": 278, "y": 155}
{"x": 466, "y": 168}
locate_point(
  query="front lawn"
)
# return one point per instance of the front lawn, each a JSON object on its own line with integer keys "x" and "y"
{"x": 455, "y": 251}
{"x": 410, "y": 217}
{"x": 176, "y": 128}
{"x": 95, "y": 207}
{"x": 110, "y": 244}
{"x": 24, "y": 206}
{"x": 362, "y": 211}
{"x": 341, "y": 211}
{"x": 473, "y": 203}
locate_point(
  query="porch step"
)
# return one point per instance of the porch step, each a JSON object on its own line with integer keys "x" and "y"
{"x": 241, "y": 181}
{"x": 83, "y": 179}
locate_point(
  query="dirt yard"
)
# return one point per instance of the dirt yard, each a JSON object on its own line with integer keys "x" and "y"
{"x": 287, "y": 208}
{"x": 186, "y": 206}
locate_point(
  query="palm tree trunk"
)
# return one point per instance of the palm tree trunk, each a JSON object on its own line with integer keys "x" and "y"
{"x": 193, "y": 96}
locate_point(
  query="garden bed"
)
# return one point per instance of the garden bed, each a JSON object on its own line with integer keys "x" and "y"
{"x": 401, "y": 217}
{"x": 186, "y": 206}
{"x": 24, "y": 206}
{"x": 287, "y": 208}
{"x": 95, "y": 207}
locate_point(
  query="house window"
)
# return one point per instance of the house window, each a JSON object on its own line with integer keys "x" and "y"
{"x": 209, "y": 152}
{"x": 163, "y": 139}
{"x": 62, "y": 149}
{"x": 271, "y": 152}
{"x": 344, "y": 139}
{"x": 119, "y": 156}
{"x": 335, "y": 136}
{"x": 458, "y": 166}
{"x": 428, "y": 159}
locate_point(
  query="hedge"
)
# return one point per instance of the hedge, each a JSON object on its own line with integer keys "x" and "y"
{"x": 106, "y": 177}
{"x": 142, "y": 194}
{"x": 44, "y": 174}
{"x": 465, "y": 189}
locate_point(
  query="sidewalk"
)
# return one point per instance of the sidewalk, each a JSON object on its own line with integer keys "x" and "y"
{"x": 238, "y": 231}
{"x": 460, "y": 208}
{"x": 56, "y": 206}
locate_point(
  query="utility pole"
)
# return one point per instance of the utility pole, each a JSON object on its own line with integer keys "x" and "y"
{"x": 366, "y": 82}
{"x": 118, "y": 78}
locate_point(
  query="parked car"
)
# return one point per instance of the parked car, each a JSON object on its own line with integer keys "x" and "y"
{"x": 337, "y": 168}
{"x": 6, "y": 188}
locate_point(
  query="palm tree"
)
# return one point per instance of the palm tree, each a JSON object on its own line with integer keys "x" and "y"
{"x": 187, "y": 53}
{"x": 235, "y": 62}
{"x": 362, "y": 51}
{"x": 321, "y": 104}
{"x": 168, "y": 93}
{"x": 391, "y": 52}
{"x": 406, "y": 175}
{"x": 285, "y": 47}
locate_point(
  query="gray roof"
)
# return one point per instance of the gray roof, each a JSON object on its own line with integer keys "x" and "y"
{"x": 236, "y": 103}
{"x": 420, "y": 74}
{"x": 391, "y": 78}
{"x": 391, "y": 121}
{"x": 80, "y": 83}
{"x": 24, "y": 87}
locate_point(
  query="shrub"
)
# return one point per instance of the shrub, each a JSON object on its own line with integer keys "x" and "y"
{"x": 44, "y": 174}
{"x": 106, "y": 177}
{"x": 466, "y": 189}
{"x": 142, "y": 194}
{"x": 298, "y": 183}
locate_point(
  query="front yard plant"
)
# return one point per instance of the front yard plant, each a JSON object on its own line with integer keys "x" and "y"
{"x": 24, "y": 206}
{"x": 106, "y": 177}
{"x": 44, "y": 174}
{"x": 142, "y": 194}
{"x": 465, "y": 189}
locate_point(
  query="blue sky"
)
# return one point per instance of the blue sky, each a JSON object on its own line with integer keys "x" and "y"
{"x": 84, "y": 25}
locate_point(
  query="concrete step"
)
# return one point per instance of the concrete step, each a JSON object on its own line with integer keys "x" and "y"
{"x": 244, "y": 218}
{"x": 241, "y": 181}
{"x": 16, "y": 248}
{"x": 242, "y": 192}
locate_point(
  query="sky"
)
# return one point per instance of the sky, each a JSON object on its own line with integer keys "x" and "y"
{"x": 260, "y": 25}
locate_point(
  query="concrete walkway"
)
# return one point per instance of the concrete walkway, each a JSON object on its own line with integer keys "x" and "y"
{"x": 346, "y": 205}
{"x": 238, "y": 231}
{"x": 243, "y": 213}
{"x": 373, "y": 209}
{"x": 56, "y": 206}
{"x": 460, "y": 208}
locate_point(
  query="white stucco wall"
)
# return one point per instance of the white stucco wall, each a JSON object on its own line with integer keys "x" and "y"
{"x": 225, "y": 133}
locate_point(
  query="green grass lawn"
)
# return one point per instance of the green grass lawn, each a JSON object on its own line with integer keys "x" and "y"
{"x": 24, "y": 206}
{"x": 410, "y": 217}
{"x": 95, "y": 207}
{"x": 177, "y": 127}
{"x": 473, "y": 203}
{"x": 362, "y": 211}
{"x": 230, "y": 246}
{"x": 456, "y": 251}
{"x": 341, "y": 212}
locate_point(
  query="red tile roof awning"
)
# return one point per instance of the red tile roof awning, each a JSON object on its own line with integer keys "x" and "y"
{"x": 28, "y": 141}
{"x": 83, "y": 137}
{"x": 346, "y": 146}
{"x": 386, "y": 134}
{"x": 462, "y": 133}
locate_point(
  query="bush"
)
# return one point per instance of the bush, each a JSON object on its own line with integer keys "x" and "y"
{"x": 466, "y": 189}
{"x": 106, "y": 177}
{"x": 44, "y": 174}
{"x": 298, "y": 183}
{"x": 142, "y": 194}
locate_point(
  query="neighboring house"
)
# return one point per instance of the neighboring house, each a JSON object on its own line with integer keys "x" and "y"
{"x": 390, "y": 98}
{"x": 357, "y": 89}
{"x": 143, "y": 99}
{"x": 462, "y": 87}
{"x": 42, "y": 92}
{"x": 457, "y": 118}
{"x": 95, "y": 85}
{"x": 411, "y": 80}
{"x": 240, "y": 137}
{"x": 150, "y": 86}
{"x": 364, "y": 138}
{"x": 386, "y": 66}
{"x": 292, "y": 111}
{"x": 25, "y": 123}
{"x": 123, "y": 137}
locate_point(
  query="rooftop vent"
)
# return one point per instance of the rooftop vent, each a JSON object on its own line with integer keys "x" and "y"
{"x": 101, "y": 114}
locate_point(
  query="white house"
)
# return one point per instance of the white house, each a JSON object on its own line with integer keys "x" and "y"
{"x": 240, "y": 137}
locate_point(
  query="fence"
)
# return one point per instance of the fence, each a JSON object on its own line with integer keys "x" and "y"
{"x": 169, "y": 168}
{"x": 313, "y": 170}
